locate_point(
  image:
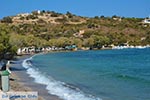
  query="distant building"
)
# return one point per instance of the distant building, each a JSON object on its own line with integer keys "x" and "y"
{"x": 24, "y": 14}
{"x": 146, "y": 21}
{"x": 71, "y": 47}
{"x": 79, "y": 34}
{"x": 38, "y": 11}
{"x": 117, "y": 18}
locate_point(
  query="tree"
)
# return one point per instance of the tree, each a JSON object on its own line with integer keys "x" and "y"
{"x": 31, "y": 17}
{"x": 54, "y": 14}
{"x": 2, "y": 49}
{"x": 78, "y": 42}
{"x": 17, "y": 40}
{"x": 63, "y": 41}
{"x": 35, "y": 13}
{"x": 30, "y": 40}
{"x": 52, "y": 42}
{"x": 117, "y": 38}
{"x": 100, "y": 41}
{"x": 102, "y": 17}
{"x": 62, "y": 20}
{"x": 147, "y": 39}
{"x": 96, "y": 17}
{"x": 4, "y": 38}
{"x": 7, "y": 20}
{"x": 69, "y": 14}
{"x": 89, "y": 42}
{"x": 115, "y": 16}
{"x": 7, "y": 51}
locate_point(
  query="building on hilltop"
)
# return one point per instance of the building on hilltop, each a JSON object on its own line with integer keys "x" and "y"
{"x": 146, "y": 20}
{"x": 117, "y": 19}
{"x": 23, "y": 14}
{"x": 38, "y": 11}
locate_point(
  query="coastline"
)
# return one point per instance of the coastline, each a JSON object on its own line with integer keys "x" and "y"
{"x": 20, "y": 80}
{"x": 25, "y": 83}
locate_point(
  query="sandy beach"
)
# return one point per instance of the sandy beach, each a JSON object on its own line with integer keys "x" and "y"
{"x": 20, "y": 81}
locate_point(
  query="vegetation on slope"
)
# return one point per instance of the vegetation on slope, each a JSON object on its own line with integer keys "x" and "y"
{"x": 48, "y": 28}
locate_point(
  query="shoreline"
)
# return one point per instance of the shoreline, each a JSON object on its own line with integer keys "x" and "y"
{"x": 21, "y": 81}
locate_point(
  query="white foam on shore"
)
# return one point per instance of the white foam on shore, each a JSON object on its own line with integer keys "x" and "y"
{"x": 54, "y": 87}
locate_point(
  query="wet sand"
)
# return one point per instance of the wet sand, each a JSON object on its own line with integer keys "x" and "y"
{"x": 20, "y": 81}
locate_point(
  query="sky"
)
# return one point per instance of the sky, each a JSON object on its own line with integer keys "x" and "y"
{"x": 89, "y": 8}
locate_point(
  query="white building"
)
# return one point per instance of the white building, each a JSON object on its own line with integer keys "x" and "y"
{"x": 38, "y": 11}
{"x": 146, "y": 21}
{"x": 24, "y": 14}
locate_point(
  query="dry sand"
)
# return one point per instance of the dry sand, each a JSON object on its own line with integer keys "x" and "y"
{"x": 17, "y": 86}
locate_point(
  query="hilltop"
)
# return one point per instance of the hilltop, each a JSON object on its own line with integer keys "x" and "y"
{"x": 44, "y": 17}
{"x": 49, "y": 28}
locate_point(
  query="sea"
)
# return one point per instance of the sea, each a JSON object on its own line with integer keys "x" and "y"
{"x": 118, "y": 74}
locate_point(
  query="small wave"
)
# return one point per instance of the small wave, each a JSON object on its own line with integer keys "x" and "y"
{"x": 126, "y": 77}
{"x": 133, "y": 78}
{"x": 54, "y": 87}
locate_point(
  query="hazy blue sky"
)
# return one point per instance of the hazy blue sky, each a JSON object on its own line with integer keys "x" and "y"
{"x": 127, "y": 8}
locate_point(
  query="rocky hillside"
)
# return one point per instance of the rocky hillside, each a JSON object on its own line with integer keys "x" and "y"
{"x": 45, "y": 17}
{"x": 48, "y": 28}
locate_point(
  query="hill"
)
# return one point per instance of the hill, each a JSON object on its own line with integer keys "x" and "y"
{"x": 48, "y": 28}
{"x": 44, "y": 17}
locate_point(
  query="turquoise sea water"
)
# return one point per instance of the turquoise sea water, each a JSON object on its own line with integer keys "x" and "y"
{"x": 94, "y": 75}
